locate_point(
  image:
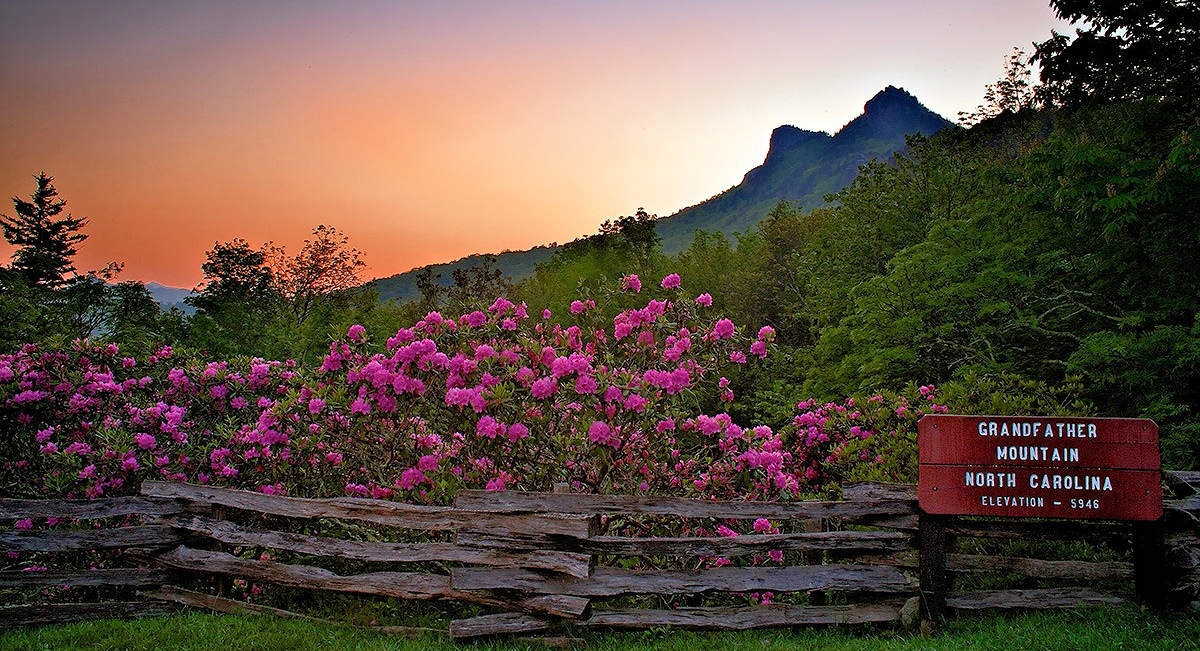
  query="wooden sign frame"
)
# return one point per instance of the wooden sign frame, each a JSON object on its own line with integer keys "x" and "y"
{"x": 1034, "y": 466}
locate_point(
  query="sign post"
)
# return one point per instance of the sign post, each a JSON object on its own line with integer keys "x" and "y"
{"x": 1032, "y": 466}
{"x": 1040, "y": 467}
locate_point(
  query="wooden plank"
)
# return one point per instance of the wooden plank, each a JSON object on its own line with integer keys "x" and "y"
{"x": 1037, "y": 529}
{"x": 80, "y": 578}
{"x": 56, "y": 540}
{"x": 525, "y": 502}
{"x": 1039, "y": 598}
{"x": 403, "y": 585}
{"x": 45, "y": 614}
{"x": 1041, "y": 569}
{"x": 558, "y": 605}
{"x": 903, "y": 522}
{"x": 1189, "y": 477}
{"x": 497, "y": 624}
{"x": 1112, "y": 443}
{"x": 748, "y": 544}
{"x": 185, "y": 597}
{"x": 740, "y": 618}
{"x": 1189, "y": 505}
{"x": 1041, "y": 491}
{"x": 906, "y": 559}
{"x": 396, "y": 514}
{"x": 879, "y": 490}
{"x": 105, "y": 507}
{"x": 609, "y": 581}
{"x": 571, "y": 563}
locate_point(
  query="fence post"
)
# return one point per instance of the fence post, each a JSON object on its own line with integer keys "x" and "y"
{"x": 813, "y": 526}
{"x": 931, "y": 541}
{"x": 1149, "y": 563}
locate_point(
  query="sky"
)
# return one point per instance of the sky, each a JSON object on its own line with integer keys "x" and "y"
{"x": 427, "y": 131}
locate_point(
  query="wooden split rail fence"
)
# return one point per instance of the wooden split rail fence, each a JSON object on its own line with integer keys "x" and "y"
{"x": 541, "y": 560}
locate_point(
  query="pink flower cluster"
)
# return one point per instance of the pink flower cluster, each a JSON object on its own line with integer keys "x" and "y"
{"x": 491, "y": 399}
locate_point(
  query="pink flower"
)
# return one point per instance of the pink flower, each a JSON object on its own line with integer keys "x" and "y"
{"x": 475, "y": 319}
{"x": 544, "y": 387}
{"x": 25, "y": 525}
{"x": 600, "y": 433}
{"x": 632, "y": 283}
{"x": 517, "y": 431}
{"x": 762, "y": 525}
{"x": 489, "y": 427}
{"x": 704, "y": 299}
{"x": 360, "y": 406}
{"x": 144, "y": 441}
{"x": 578, "y": 307}
{"x": 410, "y": 478}
{"x": 429, "y": 462}
{"x": 356, "y": 332}
{"x": 315, "y": 406}
{"x": 723, "y": 329}
{"x": 671, "y": 281}
{"x": 766, "y": 333}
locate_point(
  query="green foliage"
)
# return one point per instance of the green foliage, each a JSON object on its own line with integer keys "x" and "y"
{"x": 1006, "y": 394}
{"x": 1122, "y": 51}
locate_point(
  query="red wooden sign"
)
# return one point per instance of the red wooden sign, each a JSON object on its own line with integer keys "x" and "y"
{"x": 1032, "y": 466}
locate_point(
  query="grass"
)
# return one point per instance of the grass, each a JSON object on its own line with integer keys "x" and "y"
{"x": 1113, "y": 628}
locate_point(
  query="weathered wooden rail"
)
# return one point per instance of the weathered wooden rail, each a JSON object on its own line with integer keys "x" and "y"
{"x": 544, "y": 560}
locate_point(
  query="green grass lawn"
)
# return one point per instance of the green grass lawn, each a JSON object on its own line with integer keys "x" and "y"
{"x": 1116, "y": 628}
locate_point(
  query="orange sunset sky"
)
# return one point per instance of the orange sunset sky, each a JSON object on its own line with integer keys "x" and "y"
{"x": 429, "y": 131}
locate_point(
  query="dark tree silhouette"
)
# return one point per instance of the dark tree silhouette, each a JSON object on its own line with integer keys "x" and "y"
{"x": 45, "y": 239}
{"x": 233, "y": 271}
{"x": 1122, "y": 50}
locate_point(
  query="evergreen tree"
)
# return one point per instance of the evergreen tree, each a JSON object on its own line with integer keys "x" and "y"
{"x": 45, "y": 240}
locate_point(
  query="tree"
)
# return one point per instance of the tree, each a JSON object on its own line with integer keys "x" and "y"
{"x": 431, "y": 290}
{"x": 1010, "y": 94}
{"x": 45, "y": 240}
{"x": 482, "y": 282}
{"x": 1122, "y": 51}
{"x": 233, "y": 272}
{"x": 325, "y": 265}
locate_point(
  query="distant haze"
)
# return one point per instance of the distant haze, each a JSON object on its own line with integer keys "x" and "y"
{"x": 429, "y": 131}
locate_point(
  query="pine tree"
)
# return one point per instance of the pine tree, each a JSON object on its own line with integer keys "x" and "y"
{"x": 45, "y": 240}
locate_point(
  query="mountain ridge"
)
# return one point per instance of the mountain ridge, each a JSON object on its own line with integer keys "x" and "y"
{"x": 801, "y": 166}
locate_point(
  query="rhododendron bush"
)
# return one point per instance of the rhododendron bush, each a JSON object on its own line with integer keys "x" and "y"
{"x": 502, "y": 397}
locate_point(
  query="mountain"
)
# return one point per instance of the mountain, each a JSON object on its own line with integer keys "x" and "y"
{"x": 515, "y": 264}
{"x": 169, "y": 297}
{"x": 801, "y": 166}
